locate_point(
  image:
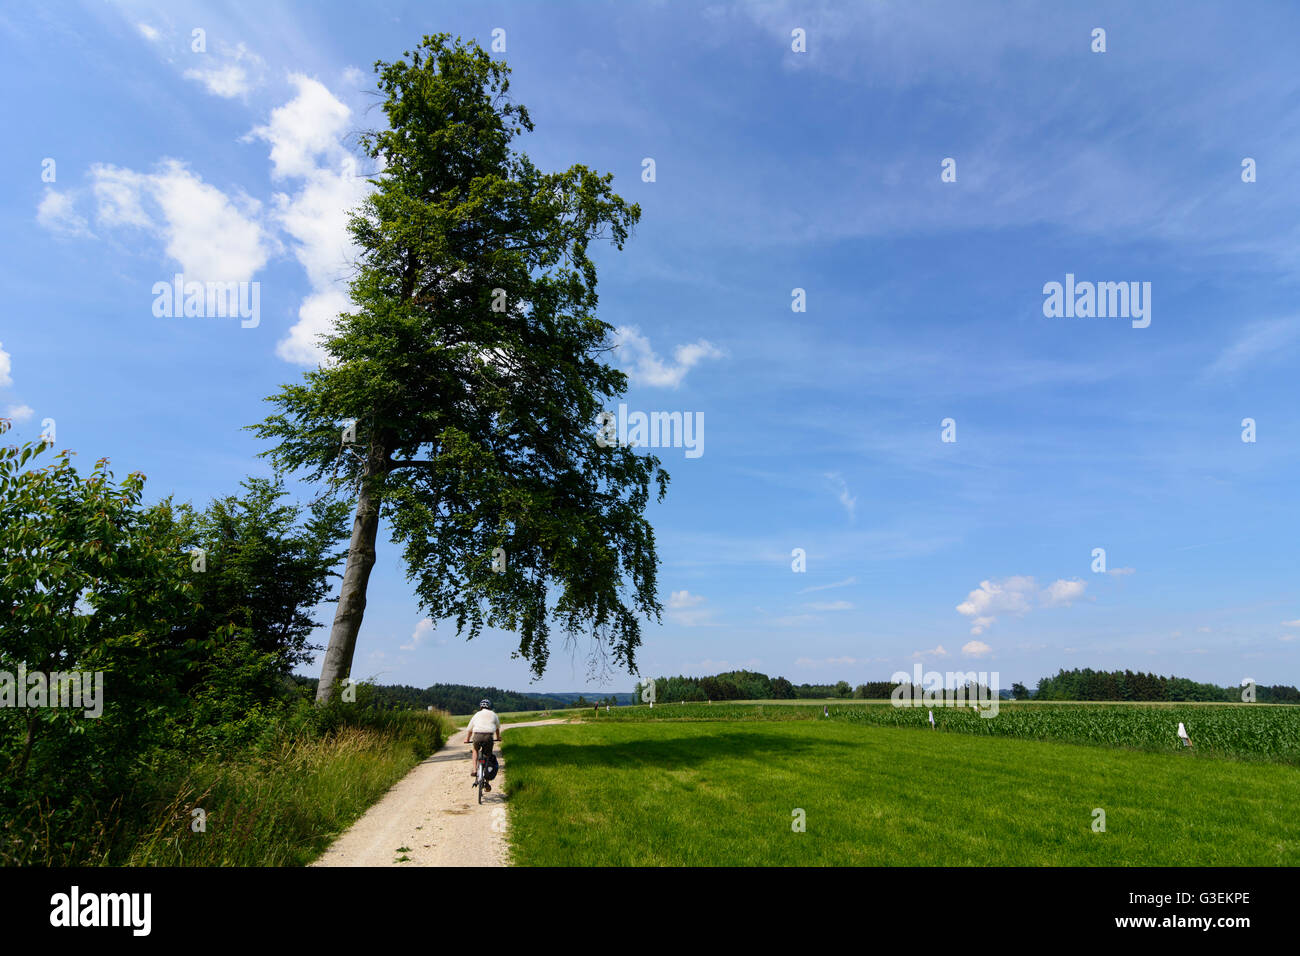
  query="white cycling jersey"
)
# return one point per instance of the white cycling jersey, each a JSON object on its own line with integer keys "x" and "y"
{"x": 484, "y": 722}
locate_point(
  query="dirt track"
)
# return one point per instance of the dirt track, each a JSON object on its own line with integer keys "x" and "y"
{"x": 433, "y": 811}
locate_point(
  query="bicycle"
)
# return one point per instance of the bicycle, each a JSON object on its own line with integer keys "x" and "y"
{"x": 481, "y": 771}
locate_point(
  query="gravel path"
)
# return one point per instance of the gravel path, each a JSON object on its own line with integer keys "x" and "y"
{"x": 433, "y": 813}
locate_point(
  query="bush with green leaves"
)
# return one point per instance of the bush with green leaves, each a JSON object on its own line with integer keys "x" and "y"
{"x": 196, "y": 654}
{"x": 91, "y": 583}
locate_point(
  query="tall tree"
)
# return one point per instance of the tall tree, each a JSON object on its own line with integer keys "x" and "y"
{"x": 462, "y": 393}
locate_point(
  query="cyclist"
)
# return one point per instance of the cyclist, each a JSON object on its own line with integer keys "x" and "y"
{"x": 480, "y": 730}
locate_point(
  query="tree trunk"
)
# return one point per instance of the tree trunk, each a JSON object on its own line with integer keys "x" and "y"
{"x": 27, "y": 747}
{"x": 356, "y": 577}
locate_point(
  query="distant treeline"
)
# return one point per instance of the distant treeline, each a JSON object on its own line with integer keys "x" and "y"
{"x": 750, "y": 685}
{"x": 1088, "y": 684}
{"x": 1067, "y": 685}
{"x": 743, "y": 685}
{"x": 733, "y": 685}
{"x": 464, "y": 699}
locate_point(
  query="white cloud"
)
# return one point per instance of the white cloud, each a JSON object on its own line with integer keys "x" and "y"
{"x": 975, "y": 649}
{"x": 933, "y": 652}
{"x": 1015, "y": 595}
{"x": 20, "y": 413}
{"x": 119, "y": 193}
{"x": 212, "y": 238}
{"x": 316, "y": 316}
{"x": 57, "y": 213}
{"x": 644, "y": 367}
{"x": 206, "y": 233}
{"x": 1287, "y": 638}
{"x": 684, "y": 609}
{"x": 1295, "y": 623}
{"x": 1011, "y": 596}
{"x": 305, "y": 131}
{"x": 226, "y": 80}
{"x": 1121, "y": 571}
{"x": 1062, "y": 593}
{"x": 148, "y": 32}
{"x": 306, "y": 144}
{"x": 226, "y": 74}
{"x": 827, "y": 587}
{"x": 830, "y": 606}
{"x": 850, "y": 502}
{"x": 423, "y": 631}
{"x": 6, "y": 367}
{"x": 1260, "y": 340}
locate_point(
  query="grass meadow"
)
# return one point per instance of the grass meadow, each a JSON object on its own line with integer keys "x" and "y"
{"x": 726, "y": 792}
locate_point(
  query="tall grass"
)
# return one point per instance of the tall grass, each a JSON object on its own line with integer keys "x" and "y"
{"x": 279, "y": 802}
{"x": 285, "y": 805}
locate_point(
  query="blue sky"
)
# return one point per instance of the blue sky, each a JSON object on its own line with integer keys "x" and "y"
{"x": 775, "y": 170}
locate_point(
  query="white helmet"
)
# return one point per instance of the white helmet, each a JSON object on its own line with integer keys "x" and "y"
{"x": 485, "y": 704}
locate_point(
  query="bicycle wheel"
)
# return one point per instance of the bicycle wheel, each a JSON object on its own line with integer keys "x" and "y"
{"x": 480, "y": 783}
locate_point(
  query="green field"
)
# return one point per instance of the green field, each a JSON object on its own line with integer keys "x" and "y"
{"x": 1246, "y": 731}
{"x": 723, "y": 792}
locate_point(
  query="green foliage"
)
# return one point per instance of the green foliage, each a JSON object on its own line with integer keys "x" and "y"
{"x": 268, "y": 565}
{"x": 91, "y": 582}
{"x": 194, "y": 658}
{"x": 471, "y": 365}
{"x": 733, "y": 685}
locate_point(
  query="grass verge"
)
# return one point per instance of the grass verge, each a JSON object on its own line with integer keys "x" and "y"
{"x": 284, "y": 807}
{"x": 278, "y": 802}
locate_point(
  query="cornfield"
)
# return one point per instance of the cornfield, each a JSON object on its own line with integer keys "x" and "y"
{"x": 1248, "y": 730}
